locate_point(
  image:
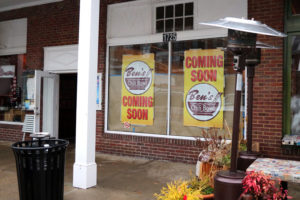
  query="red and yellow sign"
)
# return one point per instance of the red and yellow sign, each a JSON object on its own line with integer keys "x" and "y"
{"x": 203, "y": 88}
{"x": 138, "y": 89}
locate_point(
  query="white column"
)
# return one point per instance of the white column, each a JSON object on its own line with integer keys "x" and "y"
{"x": 85, "y": 168}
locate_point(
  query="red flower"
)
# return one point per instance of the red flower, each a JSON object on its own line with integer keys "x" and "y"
{"x": 185, "y": 197}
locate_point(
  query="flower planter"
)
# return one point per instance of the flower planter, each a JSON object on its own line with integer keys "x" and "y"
{"x": 247, "y": 197}
{"x": 207, "y": 196}
{"x": 206, "y": 168}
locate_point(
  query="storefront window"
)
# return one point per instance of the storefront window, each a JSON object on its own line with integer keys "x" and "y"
{"x": 295, "y": 86}
{"x": 201, "y": 71}
{"x": 11, "y": 69}
{"x": 142, "y": 109}
{"x": 202, "y": 86}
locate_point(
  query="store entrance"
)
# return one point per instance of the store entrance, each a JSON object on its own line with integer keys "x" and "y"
{"x": 67, "y": 106}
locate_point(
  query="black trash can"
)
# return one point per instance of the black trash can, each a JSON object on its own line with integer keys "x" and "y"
{"x": 40, "y": 168}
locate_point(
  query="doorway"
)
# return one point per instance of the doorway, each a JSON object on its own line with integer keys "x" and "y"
{"x": 67, "y": 106}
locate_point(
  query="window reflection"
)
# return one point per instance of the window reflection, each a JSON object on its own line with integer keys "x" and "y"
{"x": 295, "y": 86}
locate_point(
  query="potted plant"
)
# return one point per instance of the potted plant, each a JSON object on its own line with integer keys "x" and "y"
{"x": 257, "y": 185}
{"x": 215, "y": 154}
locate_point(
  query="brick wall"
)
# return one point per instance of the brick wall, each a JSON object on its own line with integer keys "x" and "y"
{"x": 57, "y": 24}
{"x": 10, "y": 132}
{"x": 268, "y": 81}
{"x": 48, "y": 25}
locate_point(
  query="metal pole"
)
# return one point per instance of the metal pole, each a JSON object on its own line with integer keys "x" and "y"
{"x": 250, "y": 76}
{"x": 169, "y": 86}
{"x": 236, "y": 121}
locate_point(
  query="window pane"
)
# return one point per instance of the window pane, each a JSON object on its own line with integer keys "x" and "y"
{"x": 160, "y": 26}
{"x": 179, "y": 24}
{"x": 295, "y": 7}
{"x": 116, "y": 97}
{"x": 169, "y": 25}
{"x": 160, "y": 12}
{"x": 189, "y": 23}
{"x": 11, "y": 69}
{"x": 179, "y": 10}
{"x": 177, "y": 126}
{"x": 169, "y": 11}
{"x": 189, "y": 9}
{"x": 295, "y": 87}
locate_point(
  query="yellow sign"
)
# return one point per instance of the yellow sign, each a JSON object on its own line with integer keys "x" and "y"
{"x": 137, "y": 89}
{"x": 203, "y": 88}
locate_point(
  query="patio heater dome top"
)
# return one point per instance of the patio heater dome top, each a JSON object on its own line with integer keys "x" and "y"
{"x": 245, "y": 25}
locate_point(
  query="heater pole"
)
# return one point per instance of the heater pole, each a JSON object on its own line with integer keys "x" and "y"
{"x": 236, "y": 121}
{"x": 250, "y": 76}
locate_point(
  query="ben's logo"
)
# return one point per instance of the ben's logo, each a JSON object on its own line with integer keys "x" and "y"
{"x": 137, "y": 77}
{"x": 203, "y": 102}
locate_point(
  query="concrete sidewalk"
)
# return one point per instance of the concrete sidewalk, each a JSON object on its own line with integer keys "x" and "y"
{"x": 119, "y": 178}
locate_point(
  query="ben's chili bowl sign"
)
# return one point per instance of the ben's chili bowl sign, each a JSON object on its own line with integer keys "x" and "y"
{"x": 137, "y": 77}
{"x": 203, "y": 88}
{"x": 203, "y": 102}
{"x": 137, "y": 106}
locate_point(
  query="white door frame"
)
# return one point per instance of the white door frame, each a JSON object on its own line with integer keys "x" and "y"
{"x": 50, "y": 82}
{"x": 57, "y": 60}
{"x": 51, "y": 104}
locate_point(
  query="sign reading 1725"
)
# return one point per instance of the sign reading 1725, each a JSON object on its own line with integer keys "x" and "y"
{"x": 167, "y": 37}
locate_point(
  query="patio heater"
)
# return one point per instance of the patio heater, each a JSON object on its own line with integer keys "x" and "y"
{"x": 246, "y": 158}
{"x": 242, "y": 44}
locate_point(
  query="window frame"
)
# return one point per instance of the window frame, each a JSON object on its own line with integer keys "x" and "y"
{"x": 286, "y": 126}
{"x": 291, "y": 28}
{"x": 137, "y": 41}
{"x": 164, "y": 5}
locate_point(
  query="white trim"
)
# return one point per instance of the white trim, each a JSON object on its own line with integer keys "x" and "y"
{"x": 152, "y": 135}
{"x": 169, "y": 85}
{"x": 106, "y": 89}
{"x": 62, "y": 71}
{"x": 12, "y": 123}
{"x": 155, "y": 38}
{"x": 191, "y": 138}
{"x": 155, "y": 3}
{"x": 61, "y": 59}
{"x": 28, "y": 4}
{"x": 159, "y": 3}
{"x": 12, "y": 51}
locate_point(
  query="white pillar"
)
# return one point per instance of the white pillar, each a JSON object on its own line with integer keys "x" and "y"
{"x": 85, "y": 168}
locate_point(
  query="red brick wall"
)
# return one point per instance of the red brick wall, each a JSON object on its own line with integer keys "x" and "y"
{"x": 10, "y": 132}
{"x": 48, "y": 25}
{"x": 57, "y": 24}
{"x": 268, "y": 81}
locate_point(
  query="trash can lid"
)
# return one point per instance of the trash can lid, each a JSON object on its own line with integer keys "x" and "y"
{"x": 39, "y": 144}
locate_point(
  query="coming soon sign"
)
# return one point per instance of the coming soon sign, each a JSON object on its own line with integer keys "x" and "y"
{"x": 138, "y": 89}
{"x": 203, "y": 88}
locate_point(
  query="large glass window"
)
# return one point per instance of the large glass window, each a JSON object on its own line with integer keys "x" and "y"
{"x": 206, "y": 96}
{"x": 177, "y": 84}
{"x": 160, "y": 94}
{"x": 11, "y": 69}
{"x": 295, "y": 85}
